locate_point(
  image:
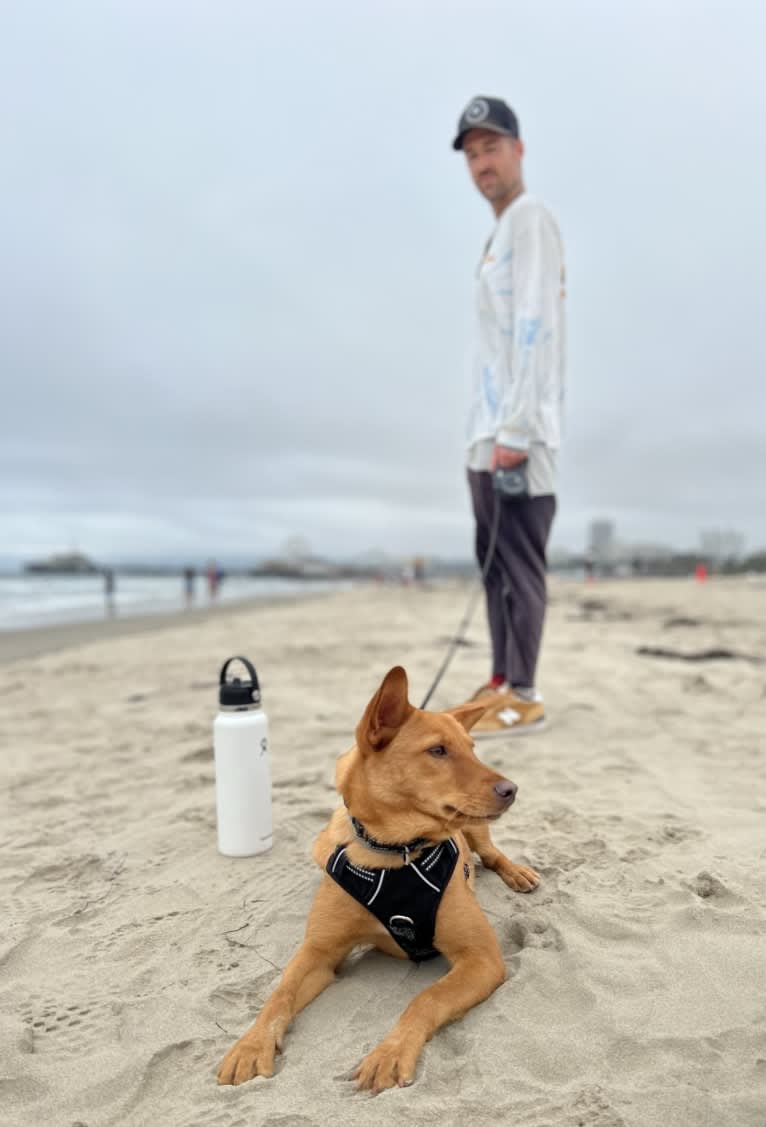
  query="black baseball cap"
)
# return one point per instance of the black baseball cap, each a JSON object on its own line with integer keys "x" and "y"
{"x": 486, "y": 113}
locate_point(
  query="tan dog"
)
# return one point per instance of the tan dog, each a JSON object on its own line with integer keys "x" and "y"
{"x": 417, "y": 799}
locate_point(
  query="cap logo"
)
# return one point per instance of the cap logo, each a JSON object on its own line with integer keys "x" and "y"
{"x": 477, "y": 111}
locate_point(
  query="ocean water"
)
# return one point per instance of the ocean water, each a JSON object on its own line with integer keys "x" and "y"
{"x": 42, "y": 600}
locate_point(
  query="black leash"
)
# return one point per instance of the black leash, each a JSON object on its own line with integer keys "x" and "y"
{"x": 459, "y": 637}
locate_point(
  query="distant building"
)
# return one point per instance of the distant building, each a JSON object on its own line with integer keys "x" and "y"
{"x": 602, "y": 544}
{"x": 63, "y": 563}
{"x": 722, "y": 545}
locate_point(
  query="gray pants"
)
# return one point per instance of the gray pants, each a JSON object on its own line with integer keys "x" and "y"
{"x": 515, "y": 583}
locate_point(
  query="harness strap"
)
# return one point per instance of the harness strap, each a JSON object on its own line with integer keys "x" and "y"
{"x": 405, "y": 900}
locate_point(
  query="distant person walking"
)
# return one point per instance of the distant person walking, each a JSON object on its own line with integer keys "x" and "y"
{"x": 215, "y": 576}
{"x": 517, "y": 372}
{"x": 190, "y": 577}
{"x": 110, "y": 586}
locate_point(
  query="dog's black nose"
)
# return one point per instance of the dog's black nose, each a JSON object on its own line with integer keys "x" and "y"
{"x": 506, "y": 790}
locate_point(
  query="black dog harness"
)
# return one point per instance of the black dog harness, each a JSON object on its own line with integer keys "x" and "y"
{"x": 405, "y": 900}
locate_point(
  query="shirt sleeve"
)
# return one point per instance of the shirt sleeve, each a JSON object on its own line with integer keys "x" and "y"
{"x": 525, "y": 299}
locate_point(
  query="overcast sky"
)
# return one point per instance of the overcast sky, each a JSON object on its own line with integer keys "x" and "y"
{"x": 237, "y": 256}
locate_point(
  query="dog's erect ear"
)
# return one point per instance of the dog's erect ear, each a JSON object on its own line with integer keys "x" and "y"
{"x": 467, "y": 714}
{"x": 386, "y": 712}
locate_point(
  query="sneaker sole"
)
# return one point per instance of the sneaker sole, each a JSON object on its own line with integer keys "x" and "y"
{"x": 511, "y": 730}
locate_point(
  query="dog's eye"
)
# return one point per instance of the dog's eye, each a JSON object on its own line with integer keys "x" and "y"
{"x": 438, "y": 752}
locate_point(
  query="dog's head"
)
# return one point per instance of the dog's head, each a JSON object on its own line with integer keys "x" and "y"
{"x": 414, "y": 773}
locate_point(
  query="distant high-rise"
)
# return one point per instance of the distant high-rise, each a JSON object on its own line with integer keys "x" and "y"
{"x": 602, "y": 543}
{"x": 722, "y": 545}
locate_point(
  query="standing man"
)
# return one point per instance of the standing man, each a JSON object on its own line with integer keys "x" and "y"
{"x": 516, "y": 405}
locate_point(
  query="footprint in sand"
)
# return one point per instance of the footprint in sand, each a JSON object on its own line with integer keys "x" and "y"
{"x": 592, "y": 1109}
{"x": 288, "y": 1121}
{"x": 673, "y": 832}
{"x": 199, "y": 755}
{"x": 65, "y": 1030}
{"x": 708, "y": 887}
{"x": 534, "y": 932}
{"x": 194, "y": 782}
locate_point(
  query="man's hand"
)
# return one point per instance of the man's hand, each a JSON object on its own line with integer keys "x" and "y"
{"x": 504, "y": 458}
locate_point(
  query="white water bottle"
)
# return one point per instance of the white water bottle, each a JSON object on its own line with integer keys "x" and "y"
{"x": 242, "y": 770}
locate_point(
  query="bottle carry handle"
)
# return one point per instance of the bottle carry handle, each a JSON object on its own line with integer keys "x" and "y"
{"x": 250, "y": 668}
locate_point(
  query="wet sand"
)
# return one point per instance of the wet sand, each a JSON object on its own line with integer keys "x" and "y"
{"x": 38, "y": 640}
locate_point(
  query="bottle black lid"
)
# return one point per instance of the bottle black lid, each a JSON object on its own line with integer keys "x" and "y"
{"x": 238, "y": 693}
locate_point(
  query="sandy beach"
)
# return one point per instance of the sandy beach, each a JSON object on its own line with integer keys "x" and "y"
{"x": 132, "y": 953}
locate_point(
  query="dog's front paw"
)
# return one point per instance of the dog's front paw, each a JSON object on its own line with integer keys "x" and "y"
{"x": 390, "y": 1065}
{"x": 519, "y": 877}
{"x": 250, "y": 1056}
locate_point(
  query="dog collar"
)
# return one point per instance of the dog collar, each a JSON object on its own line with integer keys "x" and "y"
{"x": 403, "y": 849}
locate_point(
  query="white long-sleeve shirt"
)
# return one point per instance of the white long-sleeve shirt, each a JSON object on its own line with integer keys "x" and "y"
{"x": 518, "y": 352}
